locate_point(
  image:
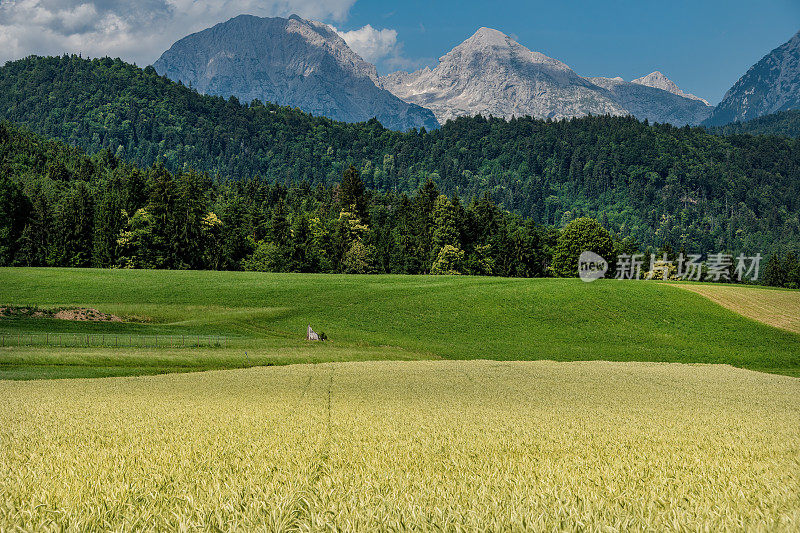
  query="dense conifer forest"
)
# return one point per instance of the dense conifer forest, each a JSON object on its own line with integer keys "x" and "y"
{"x": 265, "y": 191}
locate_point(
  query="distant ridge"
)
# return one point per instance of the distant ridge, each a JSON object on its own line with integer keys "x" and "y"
{"x": 657, "y": 80}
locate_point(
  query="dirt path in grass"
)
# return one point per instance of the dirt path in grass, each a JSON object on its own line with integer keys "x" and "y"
{"x": 779, "y": 308}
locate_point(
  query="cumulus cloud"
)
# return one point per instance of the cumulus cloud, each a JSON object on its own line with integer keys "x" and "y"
{"x": 138, "y": 30}
{"x": 371, "y": 44}
{"x": 380, "y": 47}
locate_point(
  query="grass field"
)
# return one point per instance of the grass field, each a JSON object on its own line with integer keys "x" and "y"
{"x": 426, "y": 445}
{"x": 377, "y": 318}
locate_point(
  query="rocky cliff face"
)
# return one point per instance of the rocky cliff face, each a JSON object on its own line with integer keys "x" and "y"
{"x": 292, "y": 62}
{"x": 771, "y": 85}
{"x": 491, "y": 74}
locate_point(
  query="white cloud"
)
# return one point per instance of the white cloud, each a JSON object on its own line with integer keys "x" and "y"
{"x": 371, "y": 44}
{"x": 137, "y": 31}
{"x": 380, "y": 47}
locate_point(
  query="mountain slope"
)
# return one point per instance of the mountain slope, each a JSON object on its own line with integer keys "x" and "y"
{"x": 657, "y": 80}
{"x": 771, "y": 85}
{"x": 658, "y": 184}
{"x": 491, "y": 74}
{"x": 291, "y": 62}
{"x": 655, "y": 104}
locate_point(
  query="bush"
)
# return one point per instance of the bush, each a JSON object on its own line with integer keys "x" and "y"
{"x": 580, "y": 235}
{"x": 449, "y": 261}
{"x": 267, "y": 257}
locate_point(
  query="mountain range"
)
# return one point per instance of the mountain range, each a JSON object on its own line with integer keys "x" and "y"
{"x": 308, "y": 65}
{"x": 491, "y": 74}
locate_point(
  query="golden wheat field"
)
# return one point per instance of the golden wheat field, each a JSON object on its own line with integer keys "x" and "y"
{"x": 428, "y": 445}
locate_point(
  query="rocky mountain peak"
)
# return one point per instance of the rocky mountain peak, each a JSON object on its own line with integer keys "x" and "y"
{"x": 654, "y": 103}
{"x": 292, "y": 61}
{"x": 492, "y": 74}
{"x": 489, "y": 45}
{"x": 658, "y": 80}
{"x": 489, "y": 37}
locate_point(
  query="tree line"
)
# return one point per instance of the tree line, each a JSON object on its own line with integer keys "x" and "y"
{"x": 785, "y": 123}
{"x": 62, "y": 207}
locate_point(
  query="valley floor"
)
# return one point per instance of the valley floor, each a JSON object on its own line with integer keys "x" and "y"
{"x": 428, "y": 445}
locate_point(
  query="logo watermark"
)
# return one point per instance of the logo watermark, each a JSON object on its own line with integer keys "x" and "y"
{"x": 691, "y": 267}
{"x": 591, "y": 266}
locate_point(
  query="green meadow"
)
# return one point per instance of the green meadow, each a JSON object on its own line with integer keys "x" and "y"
{"x": 263, "y": 318}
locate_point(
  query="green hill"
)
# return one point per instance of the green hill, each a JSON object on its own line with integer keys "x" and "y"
{"x": 660, "y": 185}
{"x": 379, "y": 317}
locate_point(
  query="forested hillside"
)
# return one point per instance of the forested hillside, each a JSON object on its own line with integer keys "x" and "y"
{"x": 60, "y": 207}
{"x": 786, "y": 123}
{"x": 659, "y": 185}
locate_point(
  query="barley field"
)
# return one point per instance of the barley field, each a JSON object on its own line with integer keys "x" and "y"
{"x": 425, "y": 445}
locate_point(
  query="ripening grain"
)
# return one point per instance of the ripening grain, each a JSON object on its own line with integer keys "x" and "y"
{"x": 475, "y": 445}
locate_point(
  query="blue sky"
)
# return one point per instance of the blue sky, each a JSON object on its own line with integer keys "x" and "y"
{"x": 703, "y": 46}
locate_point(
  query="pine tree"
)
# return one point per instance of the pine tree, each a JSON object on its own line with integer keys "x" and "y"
{"x": 351, "y": 193}
{"x": 161, "y": 209}
{"x": 14, "y": 208}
